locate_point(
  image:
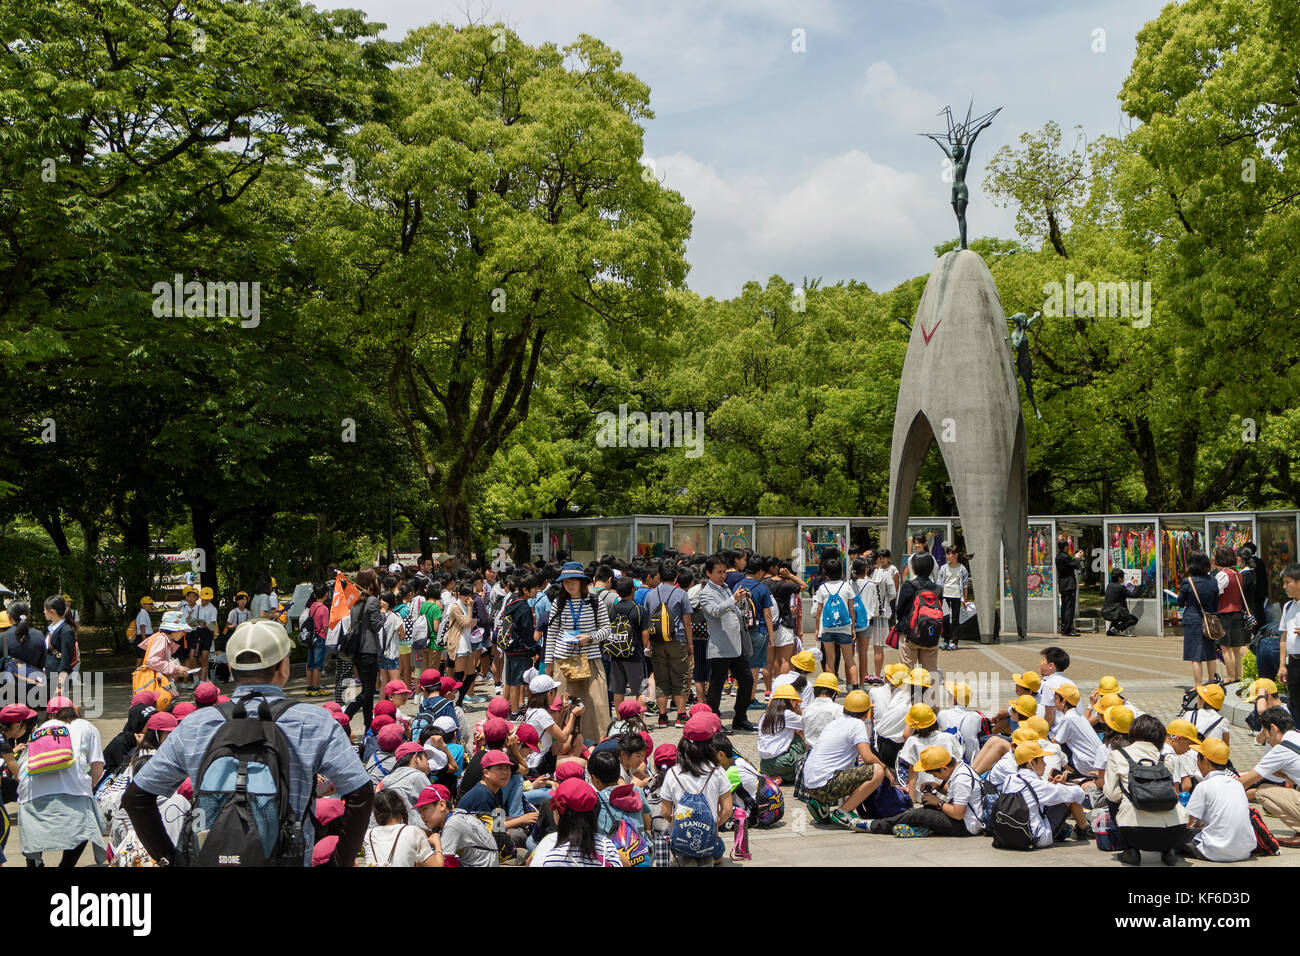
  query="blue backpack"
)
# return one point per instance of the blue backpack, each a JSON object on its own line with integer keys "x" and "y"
{"x": 694, "y": 830}
{"x": 835, "y": 613}
{"x": 431, "y": 708}
{"x": 861, "y": 620}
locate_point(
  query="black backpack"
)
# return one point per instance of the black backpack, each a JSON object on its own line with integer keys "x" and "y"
{"x": 1011, "y": 823}
{"x": 1151, "y": 786}
{"x": 240, "y": 815}
{"x": 624, "y": 633}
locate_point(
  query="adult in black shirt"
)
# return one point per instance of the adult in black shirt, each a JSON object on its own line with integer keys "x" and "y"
{"x": 119, "y": 749}
{"x": 22, "y": 642}
{"x": 1115, "y": 607}
{"x": 1067, "y": 566}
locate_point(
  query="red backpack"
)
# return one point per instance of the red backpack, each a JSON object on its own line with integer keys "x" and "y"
{"x": 927, "y": 618}
{"x": 1265, "y": 843}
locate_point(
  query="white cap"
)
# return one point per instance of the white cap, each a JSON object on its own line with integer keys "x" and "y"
{"x": 446, "y": 724}
{"x": 267, "y": 639}
{"x": 529, "y": 674}
{"x": 395, "y": 568}
{"x": 542, "y": 684}
{"x": 437, "y": 759}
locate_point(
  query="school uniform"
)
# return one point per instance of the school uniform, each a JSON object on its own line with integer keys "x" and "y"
{"x": 143, "y": 624}
{"x": 1209, "y": 722}
{"x": 206, "y": 615}
{"x": 888, "y": 723}
{"x": 962, "y": 789}
{"x": 965, "y": 724}
{"x": 1219, "y": 803}
{"x": 1079, "y": 738}
{"x": 1048, "y": 802}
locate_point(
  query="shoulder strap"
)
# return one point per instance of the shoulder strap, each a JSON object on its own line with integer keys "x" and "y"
{"x": 396, "y": 840}
{"x": 1290, "y": 745}
{"x": 1195, "y": 594}
{"x": 1212, "y": 726}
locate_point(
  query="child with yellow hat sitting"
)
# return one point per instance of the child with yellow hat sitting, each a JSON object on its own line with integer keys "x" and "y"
{"x": 889, "y": 704}
{"x": 922, "y": 731}
{"x": 780, "y": 735}
{"x": 1180, "y": 735}
{"x": 802, "y": 666}
{"x": 955, "y": 807}
{"x": 1219, "y": 826}
{"x": 823, "y": 709}
{"x": 1049, "y": 799}
{"x": 1205, "y": 715}
{"x": 843, "y": 769}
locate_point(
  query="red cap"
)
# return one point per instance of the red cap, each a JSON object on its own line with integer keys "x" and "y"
{"x": 700, "y": 708}
{"x": 390, "y": 738}
{"x": 624, "y": 797}
{"x": 573, "y": 794}
{"x": 527, "y": 735}
{"x": 429, "y": 677}
{"x": 144, "y": 697}
{"x": 385, "y": 707}
{"x": 344, "y": 721}
{"x": 186, "y": 789}
{"x": 223, "y": 699}
{"x": 16, "y": 713}
{"x": 407, "y": 747}
{"x": 333, "y": 706}
{"x": 449, "y": 684}
{"x": 434, "y": 794}
{"x": 323, "y": 850}
{"x": 328, "y": 809}
{"x": 206, "y": 693}
{"x": 58, "y": 703}
{"x": 665, "y": 754}
{"x": 395, "y": 687}
{"x": 162, "y": 721}
{"x": 499, "y": 707}
{"x": 630, "y": 707}
{"x": 495, "y": 758}
{"x": 649, "y": 742}
{"x": 381, "y": 721}
{"x": 495, "y": 729}
{"x": 699, "y": 728}
{"x": 183, "y": 710}
{"x": 570, "y": 768}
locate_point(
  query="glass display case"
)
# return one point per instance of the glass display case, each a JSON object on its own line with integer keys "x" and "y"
{"x": 818, "y": 540}
{"x": 1180, "y": 538}
{"x": 691, "y": 535}
{"x": 1228, "y": 531}
{"x": 731, "y": 535}
{"x": 776, "y": 538}
{"x": 1133, "y": 548}
{"x": 652, "y": 538}
{"x": 1277, "y": 549}
{"x": 1040, "y": 566}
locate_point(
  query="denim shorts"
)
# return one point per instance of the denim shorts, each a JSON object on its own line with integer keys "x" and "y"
{"x": 836, "y": 637}
{"x": 389, "y": 663}
{"x": 759, "y": 657}
{"x": 316, "y": 656}
{"x": 516, "y": 665}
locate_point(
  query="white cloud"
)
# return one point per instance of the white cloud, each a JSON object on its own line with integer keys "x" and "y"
{"x": 906, "y": 107}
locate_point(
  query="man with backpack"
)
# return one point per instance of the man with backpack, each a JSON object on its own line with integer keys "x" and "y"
{"x": 283, "y": 748}
{"x": 669, "y": 636}
{"x": 920, "y": 615}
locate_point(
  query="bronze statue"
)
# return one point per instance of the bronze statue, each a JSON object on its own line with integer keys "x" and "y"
{"x": 1024, "y": 363}
{"x": 959, "y": 153}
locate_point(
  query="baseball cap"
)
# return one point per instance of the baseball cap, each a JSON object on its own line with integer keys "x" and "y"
{"x": 1028, "y": 751}
{"x": 700, "y": 708}
{"x": 407, "y": 747}
{"x": 698, "y": 728}
{"x": 267, "y": 641}
{"x": 189, "y": 589}
{"x": 665, "y": 754}
{"x": 784, "y": 692}
{"x": 932, "y": 758}
{"x": 16, "y": 713}
{"x": 162, "y": 721}
{"x": 394, "y": 687}
{"x": 395, "y": 568}
{"x": 385, "y": 708}
{"x": 447, "y": 724}
{"x": 574, "y": 794}
{"x": 183, "y": 710}
{"x": 175, "y": 621}
{"x": 1212, "y": 694}
{"x": 527, "y": 735}
{"x": 1213, "y": 749}
{"x": 858, "y": 702}
{"x": 434, "y": 794}
{"x": 575, "y": 768}
{"x": 449, "y": 684}
{"x": 1029, "y": 680}
{"x": 146, "y": 601}
{"x": 334, "y": 706}
{"x": 343, "y": 720}
{"x": 390, "y": 738}
{"x": 495, "y": 758}
{"x": 1069, "y": 693}
{"x": 1024, "y": 705}
{"x": 146, "y": 697}
{"x": 498, "y": 707}
{"x": 960, "y": 691}
{"x": 1260, "y": 687}
{"x": 1183, "y": 728}
{"x": 827, "y": 680}
{"x": 1038, "y": 725}
{"x": 58, "y": 703}
{"x": 205, "y": 594}
{"x": 429, "y": 677}
{"x": 920, "y": 716}
{"x": 804, "y": 661}
{"x": 379, "y": 721}
{"x": 241, "y": 594}
{"x": 1119, "y": 718}
{"x": 206, "y": 693}
{"x": 630, "y": 707}
{"x": 542, "y": 684}
{"x": 496, "y": 729}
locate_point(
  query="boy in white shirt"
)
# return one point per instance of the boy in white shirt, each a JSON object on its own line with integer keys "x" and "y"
{"x": 954, "y": 808}
{"x": 1052, "y": 800}
{"x": 1219, "y": 828}
{"x": 143, "y": 623}
{"x": 206, "y": 614}
{"x": 1073, "y": 732}
{"x": 1280, "y": 763}
{"x": 1179, "y": 737}
{"x": 1209, "y": 722}
{"x": 922, "y": 732}
{"x": 823, "y": 709}
{"x": 961, "y": 720}
{"x": 1052, "y": 664}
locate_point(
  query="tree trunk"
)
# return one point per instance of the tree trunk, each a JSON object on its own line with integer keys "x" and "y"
{"x": 137, "y": 575}
{"x": 205, "y": 540}
{"x": 91, "y": 603}
{"x": 455, "y": 515}
{"x": 53, "y": 525}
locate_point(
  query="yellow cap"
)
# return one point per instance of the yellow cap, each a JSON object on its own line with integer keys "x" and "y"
{"x": 920, "y": 716}
{"x": 960, "y": 691}
{"x": 1024, "y": 705}
{"x": 146, "y": 601}
{"x": 918, "y": 677}
{"x": 1214, "y": 750}
{"x": 1023, "y": 734}
{"x": 786, "y": 692}
{"x": 1028, "y": 680}
{"x": 932, "y": 758}
{"x": 241, "y": 594}
{"x": 1107, "y": 701}
{"x": 827, "y": 680}
{"x": 1038, "y": 725}
{"x": 189, "y": 589}
{"x": 1109, "y": 685}
{"x": 1069, "y": 693}
{"x": 1183, "y": 728}
{"x": 1119, "y": 718}
{"x": 1027, "y": 752}
{"x": 1212, "y": 694}
{"x": 804, "y": 661}
{"x": 272, "y": 582}
{"x": 857, "y": 702}
{"x": 1260, "y": 687}
{"x": 67, "y": 598}
{"x": 894, "y": 668}
{"x": 206, "y": 594}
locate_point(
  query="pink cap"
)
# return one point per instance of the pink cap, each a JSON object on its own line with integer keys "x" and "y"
{"x": 574, "y": 794}
{"x": 223, "y": 699}
{"x": 429, "y": 677}
{"x": 665, "y": 754}
{"x": 700, "y": 708}
{"x": 381, "y": 721}
{"x": 499, "y": 707}
{"x": 527, "y": 735}
{"x": 58, "y": 703}
{"x": 186, "y": 789}
{"x": 434, "y": 794}
{"x": 344, "y": 721}
{"x": 630, "y": 707}
{"x": 183, "y": 710}
{"x": 144, "y": 697}
{"x": 328, "y": 809}
{"x": 206, "y": 693}
{"x": 495, "y": 758}
{"x": 407, "y": 747}
{"x": 449, "y": 684}
{"x": 390, "y": 738}
{"x": 386, "y": 707}
{"x": 570, "y": 768}
{"x": 495, "y": 729}
{"x": 16, "y": 713}
{"x": 395, "y": 687}
{"x": 649, "y": 742}
{"x": 162, "y": 721}
{"x": 324, "y": 850}
{"x": 333, "y": 706}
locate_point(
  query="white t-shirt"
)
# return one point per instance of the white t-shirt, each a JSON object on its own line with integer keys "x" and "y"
{"x": 889, "y": 718}
{"x": 1219, "y": 802}
{"x": 776, "y": 744}
{"x": 1289, "y": 627}
{"x": 1279, "y": 762}
{"x": 789, "y": 677}
{"x": 1073, "y": 730}
{"x": 544, "y": 722}
{"x": 206, "y": 615}
{"x": 836, "y": 750}
{"x": 260, "y": 603}
{"x": 714, "y": 786}
{"x": 1209, "y": 722}
{"x": 548, "y": 853}
{"x": 845, "y": 590}
{"x": 143, "y": 624}
{"x": 818, "y": 714}
{"x": 75, "y": 781}
{"x": 748, "y": 774}
{"x": 967, "y": 724}
{"x": 411, "y": 849}
{"x": 963, "y": 790}
{"x": 1047, "y": 691}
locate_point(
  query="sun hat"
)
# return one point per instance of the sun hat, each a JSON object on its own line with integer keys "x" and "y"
{"x": 1109, "y": 685}
{"x": 624, "y": 797}
{"x": 542, "y": 684}
{"x": 499, "y": 707}
{"x": 920, "y": 716}
{"x": 572, "y": 569}
{"x": 267, "y": 640}
{"x": 1029, "y": 680}
{"x": 858, "y": 702}
{"x": 495, "y": 729}
{"x": 429, "y": 677}
{"x": 146, "y": 601}
{"x": 1107, "y": 701}
{"x": 932, "y": 758}
{"x": 630, "y": 707}
{"x": 323, "y": 851}
{"x": 527, "y": 736}
{"x": 189, "y": 589}
{"x": 407, "y": 747}
{"x": 436, "y": 793}
{"x": 1213, "y": 750}
{"x": 495, "y": 758}
{"x": 385, "y": 708}
{"x": 827, "y": 681}
{"x": 960, "y": 691}
{"x": 1212, "y": 694}
{"x": 379, "y": 721}
{"x": 895, "y": 668}
{"x": 17, "y": 713}
{"x": 58, "y": 703}
{"x": 570, "y": 767}
{"x": 1119, "y": 718}
{"x": 785, "y": 692}
{"x": 147, "y": 697}
{"x": 206, "y": 693}
{"x": 447, "y": 724}
{"x": 1069, "y": 693}
{"x": 895, "y": 677}
{"x": 804, "y": 661}
{"x": 664, "y": 754}
{"x": 183, "y": 710}
{"x": 1184, "y": 729}
{"x": 918, "y": 677}
{"x": 205, "y": 594}
{"x": 574, "y": 794}
{"x": 394, "y": 687}
{"x": 1038, "y": 725}
{"x": 1023, "y": 735}
{"x": 1027, "y": 752}
{"x": 700, "y": 708}
{"x": 162, "y": 721}
{"x": 698, "y": 728}
{"x": 449, "y": 684}
{"x": 241, "y": 594}
{"x": 390, "y": 738}
{"x": 1260, "y": 687}
{"x": 1024, "y": 705}
{"x": 175, "y": 621}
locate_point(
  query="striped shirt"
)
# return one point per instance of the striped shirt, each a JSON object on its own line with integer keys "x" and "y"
{"x": 550, "y": 852}
{"x": 591, "y": 619}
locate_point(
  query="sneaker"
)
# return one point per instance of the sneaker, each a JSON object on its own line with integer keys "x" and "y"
{"x": 678, "y": 723}
{"x": 904, "y": 832}
{"x": 757, "y": 705}
{"x": 849, "y": 821}
{"x": 652, "y": 707}
{"x": 1169, "y": 857}
{"x": 1131, "y": 857}
{"x": 819, "y": 813}
{"x": 1084, "y": 833}
{"x": 663, "y": 721}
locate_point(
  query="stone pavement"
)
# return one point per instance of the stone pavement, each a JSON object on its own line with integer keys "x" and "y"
{"x": 1149, "y": 668}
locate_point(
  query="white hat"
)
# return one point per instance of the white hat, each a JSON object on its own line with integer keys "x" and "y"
{"x": 529, "y": 674}
{"x": 437, "y": 759}
{"x": 267, "y": 639}
{"x": 542, "y": 684}
{"x": 447, "y": 724}
{"x": 395, "y": 568}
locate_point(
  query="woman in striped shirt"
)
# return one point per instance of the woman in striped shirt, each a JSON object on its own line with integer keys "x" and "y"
{"x": 579, "y": 625}
{"x": 575, "y": 841}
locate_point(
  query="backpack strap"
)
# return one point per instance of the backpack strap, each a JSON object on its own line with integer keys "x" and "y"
{"x": 396, "y": 840}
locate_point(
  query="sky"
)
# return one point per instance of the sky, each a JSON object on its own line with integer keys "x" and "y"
{"x": 808, "y": 162}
